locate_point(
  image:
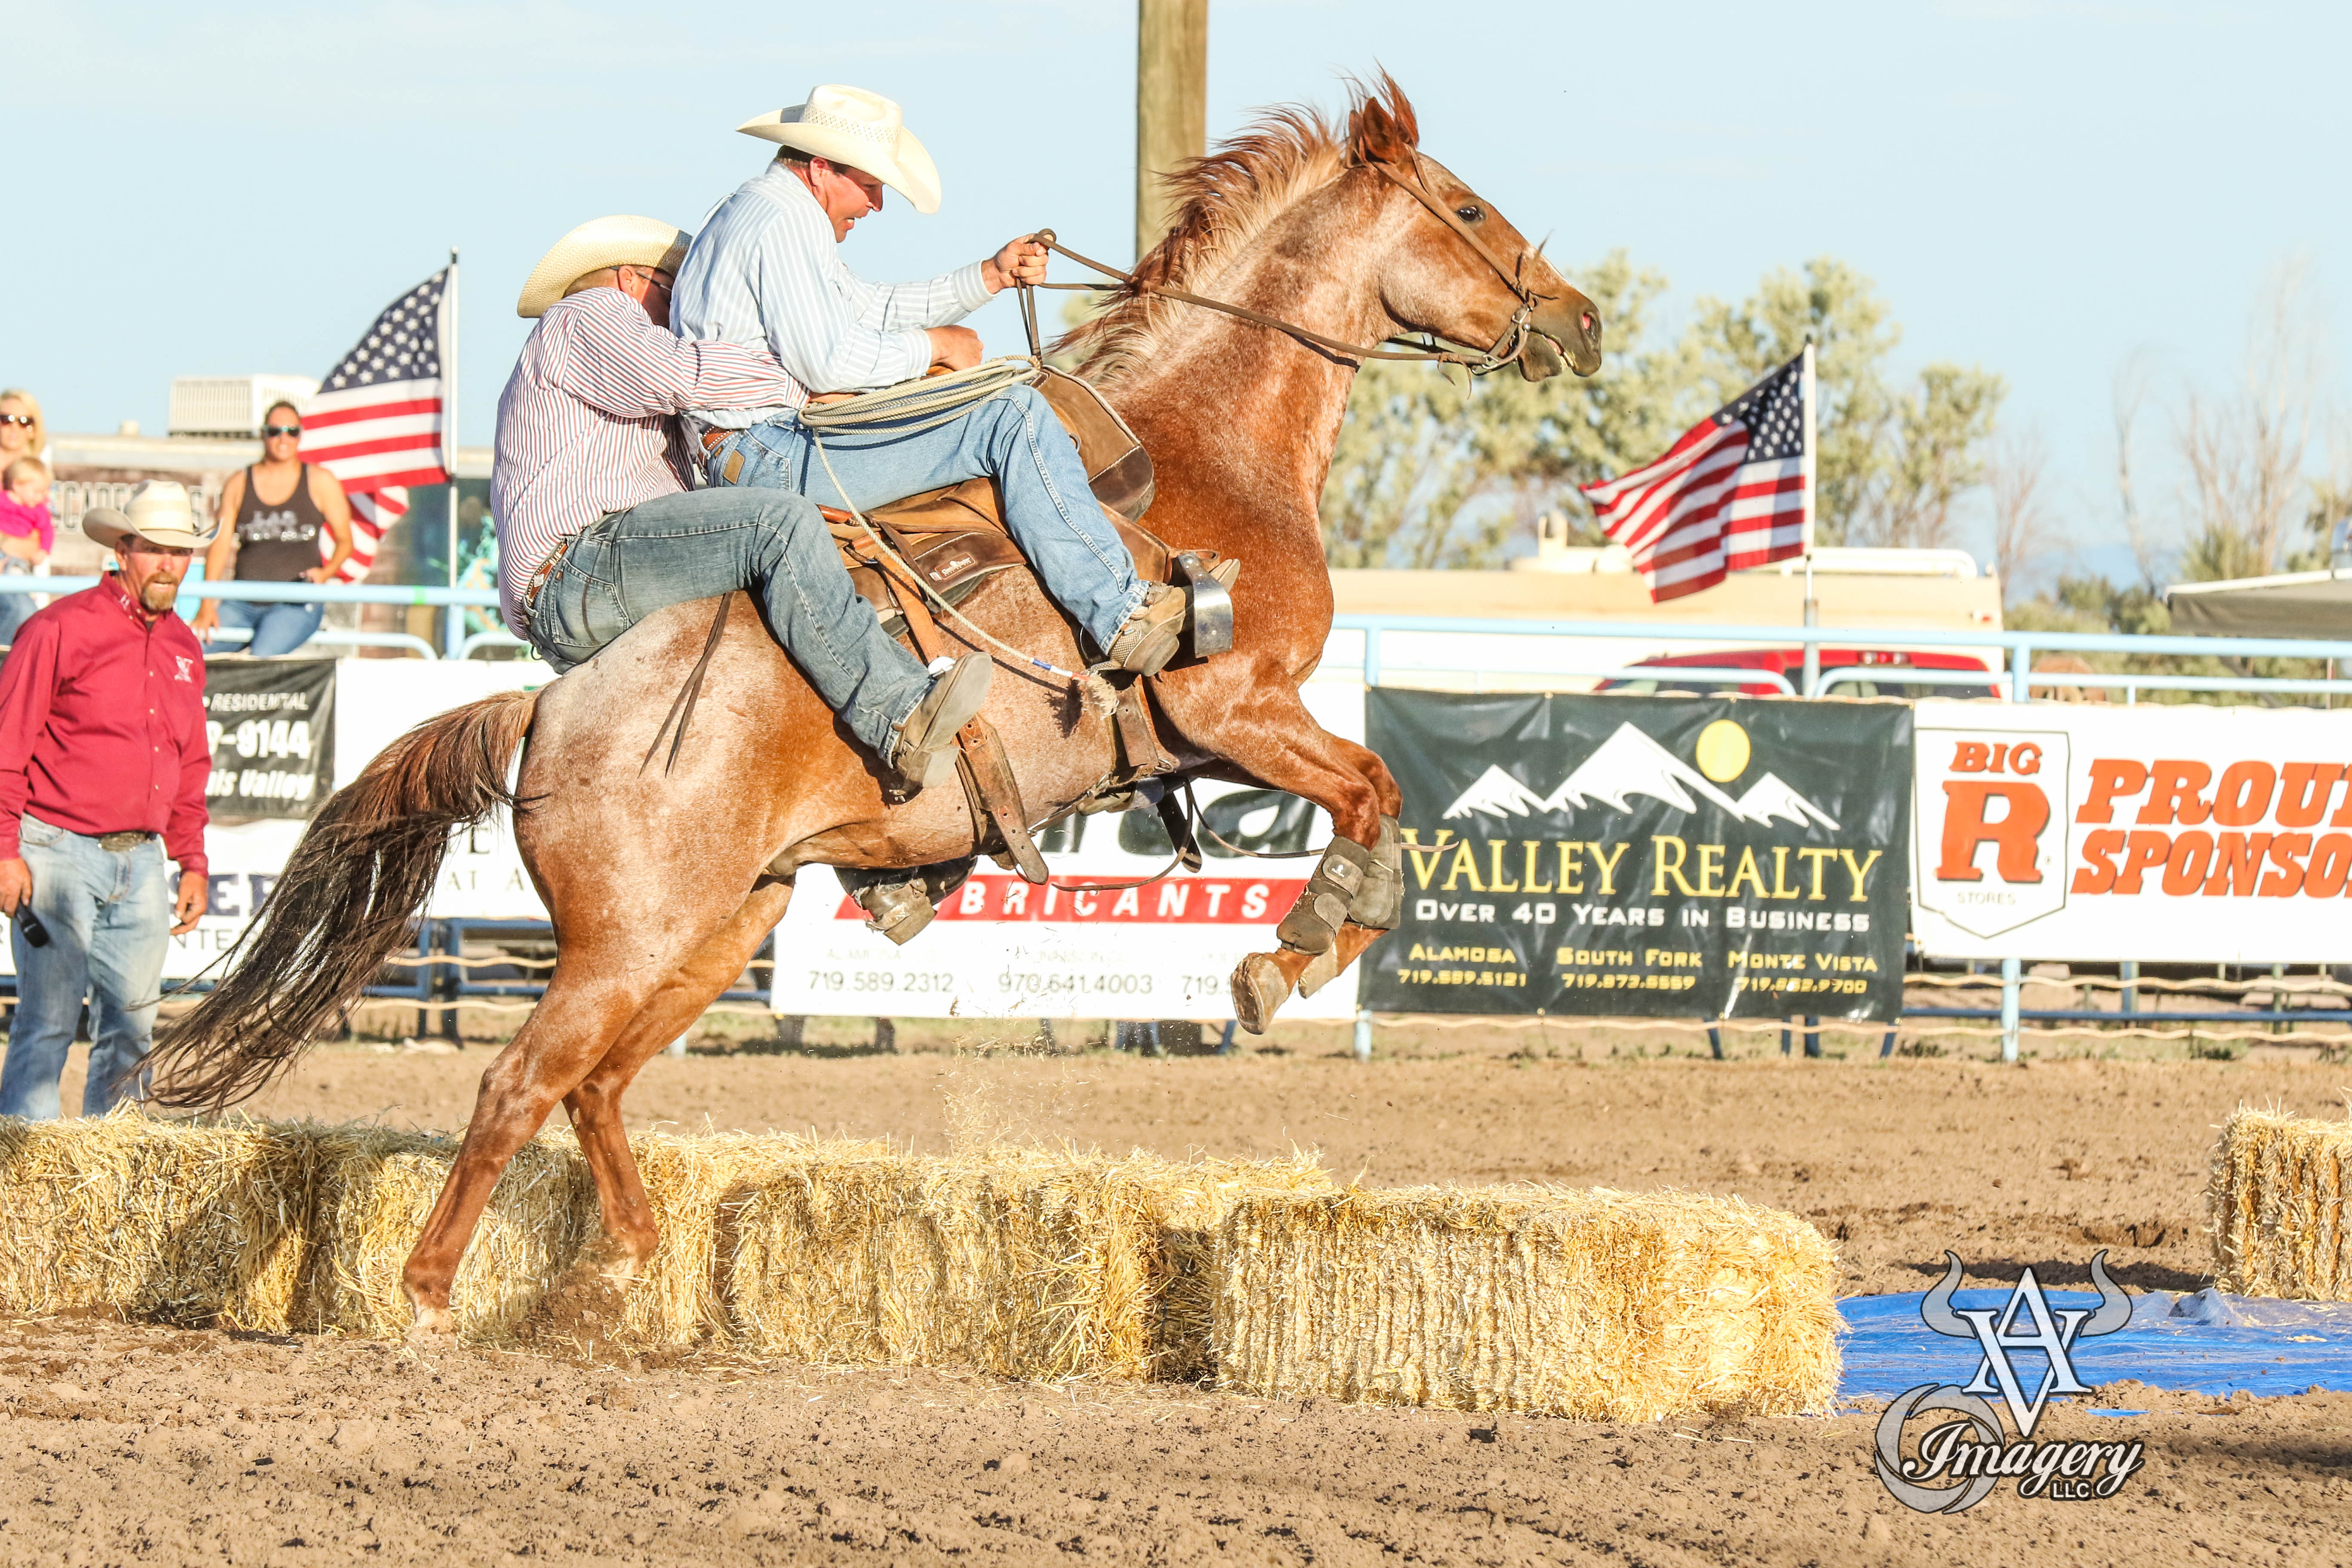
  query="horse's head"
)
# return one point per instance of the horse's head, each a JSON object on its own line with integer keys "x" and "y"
{"x": 1479, "y": 283}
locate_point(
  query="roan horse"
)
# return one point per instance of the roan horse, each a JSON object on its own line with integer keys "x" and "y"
{"x": 661, "y": 884}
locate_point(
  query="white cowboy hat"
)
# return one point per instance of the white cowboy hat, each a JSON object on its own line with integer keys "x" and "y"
{"x": 599, "y": 243}
{"x": 864, "y": 130}
{"x": 158, "y": 511}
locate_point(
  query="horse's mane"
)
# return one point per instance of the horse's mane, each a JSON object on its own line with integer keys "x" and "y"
{"x": 1223, "y": 201}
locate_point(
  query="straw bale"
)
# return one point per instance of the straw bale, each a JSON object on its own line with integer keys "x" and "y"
{"x": 1187, "y": 1204}
{"x": 1019, "y": 1263}
{"x": 155, "y": 1220}
{"x": 376, "y": 1187}
{"x": 1593, "y": 1305}
{"x": 2276, "y": 1198}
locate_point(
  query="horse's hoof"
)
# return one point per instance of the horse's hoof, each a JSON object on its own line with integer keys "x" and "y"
{"x": 433, "y": 1326}
{"x": 1260, "y": 988}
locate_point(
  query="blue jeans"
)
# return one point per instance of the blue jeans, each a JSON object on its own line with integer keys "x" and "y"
{"x": 16, "y": 609}
{"x": 1014, "y": 436}
{"x": 277, "y": 628}
{"x": 675, "y": 548}
{"x": 109, "y": 913}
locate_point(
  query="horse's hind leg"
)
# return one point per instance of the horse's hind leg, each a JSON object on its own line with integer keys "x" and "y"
{"x": 1271, "y": 736}
{"x": 594, "y": 1105}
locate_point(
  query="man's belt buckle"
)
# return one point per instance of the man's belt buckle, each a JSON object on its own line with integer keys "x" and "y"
{"x": 119, "y": 842}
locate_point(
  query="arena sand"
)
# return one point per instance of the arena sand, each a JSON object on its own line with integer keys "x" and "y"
{"x": 132, "y": 1443}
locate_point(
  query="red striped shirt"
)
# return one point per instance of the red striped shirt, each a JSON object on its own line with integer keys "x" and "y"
{"x": 587, "y": 423}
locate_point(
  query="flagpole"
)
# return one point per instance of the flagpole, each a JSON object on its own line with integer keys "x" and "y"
{"x": 1812, "y": 470}
{"x": 454, "y": 621}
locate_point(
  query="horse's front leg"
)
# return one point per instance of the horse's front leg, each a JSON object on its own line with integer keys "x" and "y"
{"x": 1357, "y": 890}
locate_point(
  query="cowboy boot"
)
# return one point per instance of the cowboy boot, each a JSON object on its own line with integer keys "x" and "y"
{"x": 924, "y": 754}
{"x": 1154, "y": 634}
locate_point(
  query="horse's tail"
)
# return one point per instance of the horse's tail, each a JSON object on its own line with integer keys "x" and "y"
{"x": 364, "y": 867}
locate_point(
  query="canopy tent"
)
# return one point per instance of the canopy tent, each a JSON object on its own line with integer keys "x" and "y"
{"x": 2294, "y": 605}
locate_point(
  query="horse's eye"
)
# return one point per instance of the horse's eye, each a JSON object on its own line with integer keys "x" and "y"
{"x": 1470, "y": 214}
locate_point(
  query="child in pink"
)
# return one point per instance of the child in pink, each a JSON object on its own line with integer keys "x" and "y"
{"x": 28, "y": 535}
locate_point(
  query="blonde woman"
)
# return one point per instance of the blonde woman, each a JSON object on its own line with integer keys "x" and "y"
{"x": 22, "y": 434}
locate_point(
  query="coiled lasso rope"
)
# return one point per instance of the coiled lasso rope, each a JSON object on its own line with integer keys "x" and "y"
{"x": 934, "y": 400}
{"x": 925, "y": 404}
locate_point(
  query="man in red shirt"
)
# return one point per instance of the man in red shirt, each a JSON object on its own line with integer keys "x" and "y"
{"x": 103, "y": 759}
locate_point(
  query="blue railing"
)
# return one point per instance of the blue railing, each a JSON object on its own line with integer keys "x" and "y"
{"x": 196, "y": 591}
{"x": 2016, "y": 648}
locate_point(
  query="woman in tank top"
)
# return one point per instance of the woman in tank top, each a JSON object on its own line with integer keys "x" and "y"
{"x": 271, "y": 516}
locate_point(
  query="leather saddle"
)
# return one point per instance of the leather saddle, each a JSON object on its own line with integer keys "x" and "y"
{"x": 955, "y": 538}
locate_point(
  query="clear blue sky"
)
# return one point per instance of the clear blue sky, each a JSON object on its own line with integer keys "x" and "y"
{"x": 2045, "y": 189}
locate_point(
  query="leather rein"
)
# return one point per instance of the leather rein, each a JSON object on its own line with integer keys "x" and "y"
{"x": 1505, "y": 348}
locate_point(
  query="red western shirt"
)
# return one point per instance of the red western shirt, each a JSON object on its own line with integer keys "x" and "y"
{"x": 102, "y": 724}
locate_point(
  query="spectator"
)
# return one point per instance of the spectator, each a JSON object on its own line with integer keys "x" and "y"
{"x": 102, "y": 751}
{"x": 22, "y": 434}
{"x": 28, "y": 535}
{"x": 276, "y": 540}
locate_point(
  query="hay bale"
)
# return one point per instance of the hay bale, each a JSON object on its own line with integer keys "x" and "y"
{"x": 1187, "y": 1205}
{"x": 1027, "y": 1263}
{"x": 1593, "y": 1305}
{"x": 376, "y": 1187}
{"x": 2277, "y": 1197}
{"x": 154, "y": 1220}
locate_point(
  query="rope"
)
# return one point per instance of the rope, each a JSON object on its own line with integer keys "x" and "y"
{"x": 933, "y": 400}
{"x": 1028, "y": 660}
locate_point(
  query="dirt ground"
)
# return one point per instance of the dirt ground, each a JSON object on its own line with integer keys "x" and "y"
{"x": 135, "y": 1444}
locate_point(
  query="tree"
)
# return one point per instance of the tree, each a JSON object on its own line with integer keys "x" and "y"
{"x": 2022, "y": 527}
{"x": 2244, "y": 451}
{"x": 1428, "y": 476}
{"x": 1429, "y": 472}
{"x": 1892, "y": 463}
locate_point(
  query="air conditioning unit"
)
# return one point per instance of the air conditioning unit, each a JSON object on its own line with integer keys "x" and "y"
{"x": 231, "y": 404}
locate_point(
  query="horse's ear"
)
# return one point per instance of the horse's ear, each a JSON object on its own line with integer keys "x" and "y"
{"x": 1382, "y": 127}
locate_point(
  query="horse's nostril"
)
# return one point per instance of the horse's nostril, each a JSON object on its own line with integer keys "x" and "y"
{"x": 1592, "y": 326}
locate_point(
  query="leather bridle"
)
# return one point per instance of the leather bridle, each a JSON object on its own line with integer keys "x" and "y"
{"x": 1505, "y": 348}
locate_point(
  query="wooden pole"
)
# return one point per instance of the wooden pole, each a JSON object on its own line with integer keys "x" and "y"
{"x": 1171, "y": 104}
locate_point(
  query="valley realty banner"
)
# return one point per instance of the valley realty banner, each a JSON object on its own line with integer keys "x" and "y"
{"x": 1644, "y": 856}
{"x": 2172, "y": 833}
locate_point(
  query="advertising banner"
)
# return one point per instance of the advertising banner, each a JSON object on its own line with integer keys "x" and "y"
{"x": 2171, "y": 834}
{"x": 272, "y": 726}
{"x": 1641, "y": 856}
{"x": 1075, "y": 949}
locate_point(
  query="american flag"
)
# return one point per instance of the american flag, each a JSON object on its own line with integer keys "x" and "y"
{"x": 1730, "y": 494}
{"x": 376, "y": 423}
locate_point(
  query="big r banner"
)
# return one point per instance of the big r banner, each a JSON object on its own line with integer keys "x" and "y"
{"x": 2173, "y": 834}
{"x": 1077, "y": 948}
{"x": 1640, "y": 856}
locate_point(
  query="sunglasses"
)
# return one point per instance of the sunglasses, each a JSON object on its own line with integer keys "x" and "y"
{"x": 23, "y": 419}
{"x": 268, "y": 430}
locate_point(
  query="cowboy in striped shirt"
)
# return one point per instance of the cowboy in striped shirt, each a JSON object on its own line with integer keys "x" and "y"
{"x": 597, "y": 528}
{"x": 766, "y": 271}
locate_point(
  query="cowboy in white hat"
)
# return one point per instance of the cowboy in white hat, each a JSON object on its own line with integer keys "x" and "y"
{"x": 767, "y": 270}
{"x": 597, "y": 527}
{"x": 103, "y": 761}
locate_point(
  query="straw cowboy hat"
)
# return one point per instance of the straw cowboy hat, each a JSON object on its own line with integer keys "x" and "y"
{"x": 864, "y": 130}
{"x": 158, "y": 511}
{"x": 599, "y": 243}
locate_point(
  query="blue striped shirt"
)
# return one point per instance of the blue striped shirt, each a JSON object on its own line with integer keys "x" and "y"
{"x": 765, "y": 271}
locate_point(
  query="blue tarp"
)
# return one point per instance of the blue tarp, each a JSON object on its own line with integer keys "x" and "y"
{"x": 2206, "y": 1343}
